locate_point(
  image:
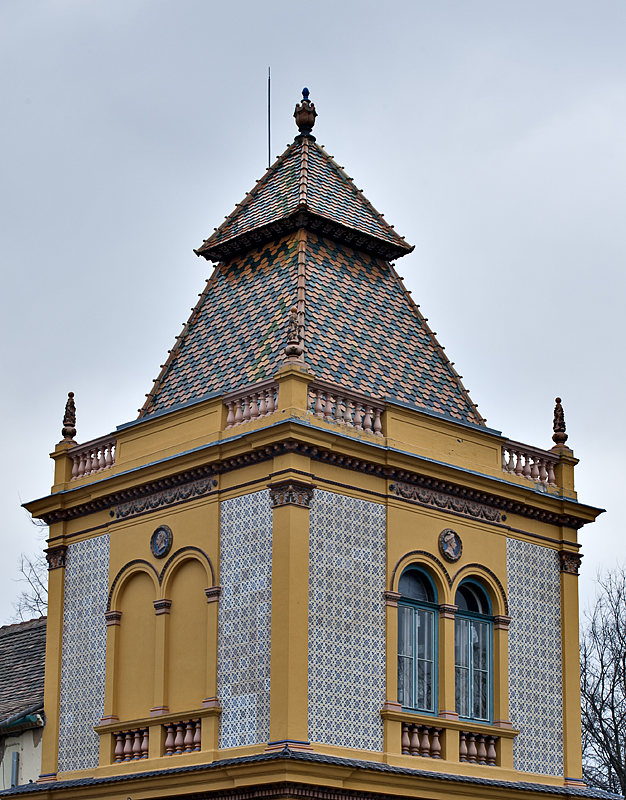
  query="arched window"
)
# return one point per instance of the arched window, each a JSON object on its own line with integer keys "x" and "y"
{"x": 417, "y": 631}
{"x": 473, "y": 652}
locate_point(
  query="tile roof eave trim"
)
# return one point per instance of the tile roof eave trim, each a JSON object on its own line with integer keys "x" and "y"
{"x": 313, "y": 221}
{"x": 352, "y": 763}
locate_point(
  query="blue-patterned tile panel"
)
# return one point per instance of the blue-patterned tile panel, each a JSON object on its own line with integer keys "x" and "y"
{"x": 346, "y": 621}
{"x": 244, "y": 643}
{"x": 535, "y": 678}
{"x": 84, "y": 652}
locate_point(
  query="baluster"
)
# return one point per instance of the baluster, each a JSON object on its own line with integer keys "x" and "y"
{"x": 75, "y": 465}
{"x": 328, "y": 407}
{"x": 262, "y": 403}
{"x": 534, "y": 470}
{"x": 239, "y": 411}
{"x": 519, "y": 464}
{"x": 169, "y": 740}
{"x": 543, "y": 472}
{"x": 81, "y": 465}
{"x": 551, "y": 475}
{"x": 471, "y": 748}
{"x": 425, "y": 742}
{"x": 197, "y": 735}
{"x": 101, "y": 457}
{"x": 87, "y": 462}
{"x": 136, "y": 744}
{"x": 435, "y": 745}
{"x": 179, "y": 741}
{"x": 188, "y": 742}
{"x": 339, "y": 408}
{"x": 463, "y": 746}
{"x": 358, "y": 417}
{"x": 505, "y": 466}
{"x": 230, "y": 419}
{"x": 271, "y": 402}
{"x": 318, "y": 408}
{"x": 246, "y": 408}
{"x": 482, "y": 750}
{"x": 367, "y": 419}
{"x": 128, "y": 745}
{"x": 349, "y": 411}
{"x": 526, "y": 471}
{"x": 254, "y": 408}
{"x": 511, "y": 464}
{"x": 378, "y": 425}
{"x": 108, "y": 459}
{"x": 145, "y": 743}
{"x": 491, "y": 750}
{"x": 405, "y": 739}
{"x": 113, "y": 453}
{"x": 119, "y": 747}
{"x": 414, "y": 745}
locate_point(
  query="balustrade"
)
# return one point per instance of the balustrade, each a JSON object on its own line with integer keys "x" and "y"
{"x": 332, "y": 404}
{"x": 476, "y": 748}
{"x": 529, "y": 462}
{"x": 421, "y": 740}
{"x": 252, "y": 403}
{"x": 183, "y": 737}
{"x": 131, "y": 745}
{"x": 92, "y": 457}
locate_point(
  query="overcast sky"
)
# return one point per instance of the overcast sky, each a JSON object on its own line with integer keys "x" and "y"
{"x": 491, "y": 133}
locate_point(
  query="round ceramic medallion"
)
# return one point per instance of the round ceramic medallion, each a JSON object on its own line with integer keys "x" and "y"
{"x": 161, "y": 541}
{"x": 450, "y": 545}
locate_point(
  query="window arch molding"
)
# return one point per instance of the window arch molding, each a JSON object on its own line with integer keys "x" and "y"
{"x": 177, "y": 559}
{"x": 125, "y": 574}
{"x": 489, "y": 582}
{"x": 429, "y": 564}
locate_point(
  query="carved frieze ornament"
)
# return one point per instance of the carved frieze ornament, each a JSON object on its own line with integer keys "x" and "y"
{"x": 56, "y": 556}
{"x": 161, "y": 541}
{"x": 291, "y": 493}
{"x": 570, "y": 562}
{"x": 68, "y": 432}
{"x": 305, "y": 113}
{"x": 450, "y": 545}
{"x": 559, "y": 437}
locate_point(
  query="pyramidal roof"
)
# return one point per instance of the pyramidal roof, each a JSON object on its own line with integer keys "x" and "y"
{"x": 305, "y": 237}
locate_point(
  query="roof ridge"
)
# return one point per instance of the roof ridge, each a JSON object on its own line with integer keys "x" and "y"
{"x": 249, "y": 196}
{"x": 432, "y": 334}
{"x": 16, "y": 627}
{"x": 171, "y": 354}
{"x": 304, "y": 173}
{"x": 344, "y": 175}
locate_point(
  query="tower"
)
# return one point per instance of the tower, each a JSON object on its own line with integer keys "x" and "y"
{"x": 309, "y": 566}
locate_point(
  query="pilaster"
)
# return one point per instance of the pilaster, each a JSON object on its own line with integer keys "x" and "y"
{"x": 161, "y": 652}
{"x": 570, "y": 657}
{"x": 291, "y": 500}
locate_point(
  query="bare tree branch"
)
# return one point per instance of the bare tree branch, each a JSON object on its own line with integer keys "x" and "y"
{"x": 603, "y": 685}
{"x": 33, "y": 599}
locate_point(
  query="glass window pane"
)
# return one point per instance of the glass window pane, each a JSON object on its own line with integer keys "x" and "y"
{"x": 405, "y": 631}
{"x": 405, "y": 681}
{"x": 462, "y": 691}
{"x": 461, "y": 643}
{"x": 425, "y": 685}
{"x": 480, "y": 645}
{"x": 425, "y": 634}
{"x": 480, "y": 709}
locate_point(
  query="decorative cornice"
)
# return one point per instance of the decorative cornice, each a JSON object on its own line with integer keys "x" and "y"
{"x": 213, "y": 594}
{"x": 439, "y": 500}
{"x": 162, "y": 606}
{"x": 570, "y": 562}
{"x": 291, "y": 493}
{"x": 446, "y": 492}
{"x": 112, "y": 618}
{"x": 167, "y": 497}
{"x": 56, "y": 556}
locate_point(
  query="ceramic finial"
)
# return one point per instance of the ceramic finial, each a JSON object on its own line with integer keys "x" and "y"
{"x": 305, "y": 114}
{"x": 68, "y": 432}
{"x": 559, "y": 437}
